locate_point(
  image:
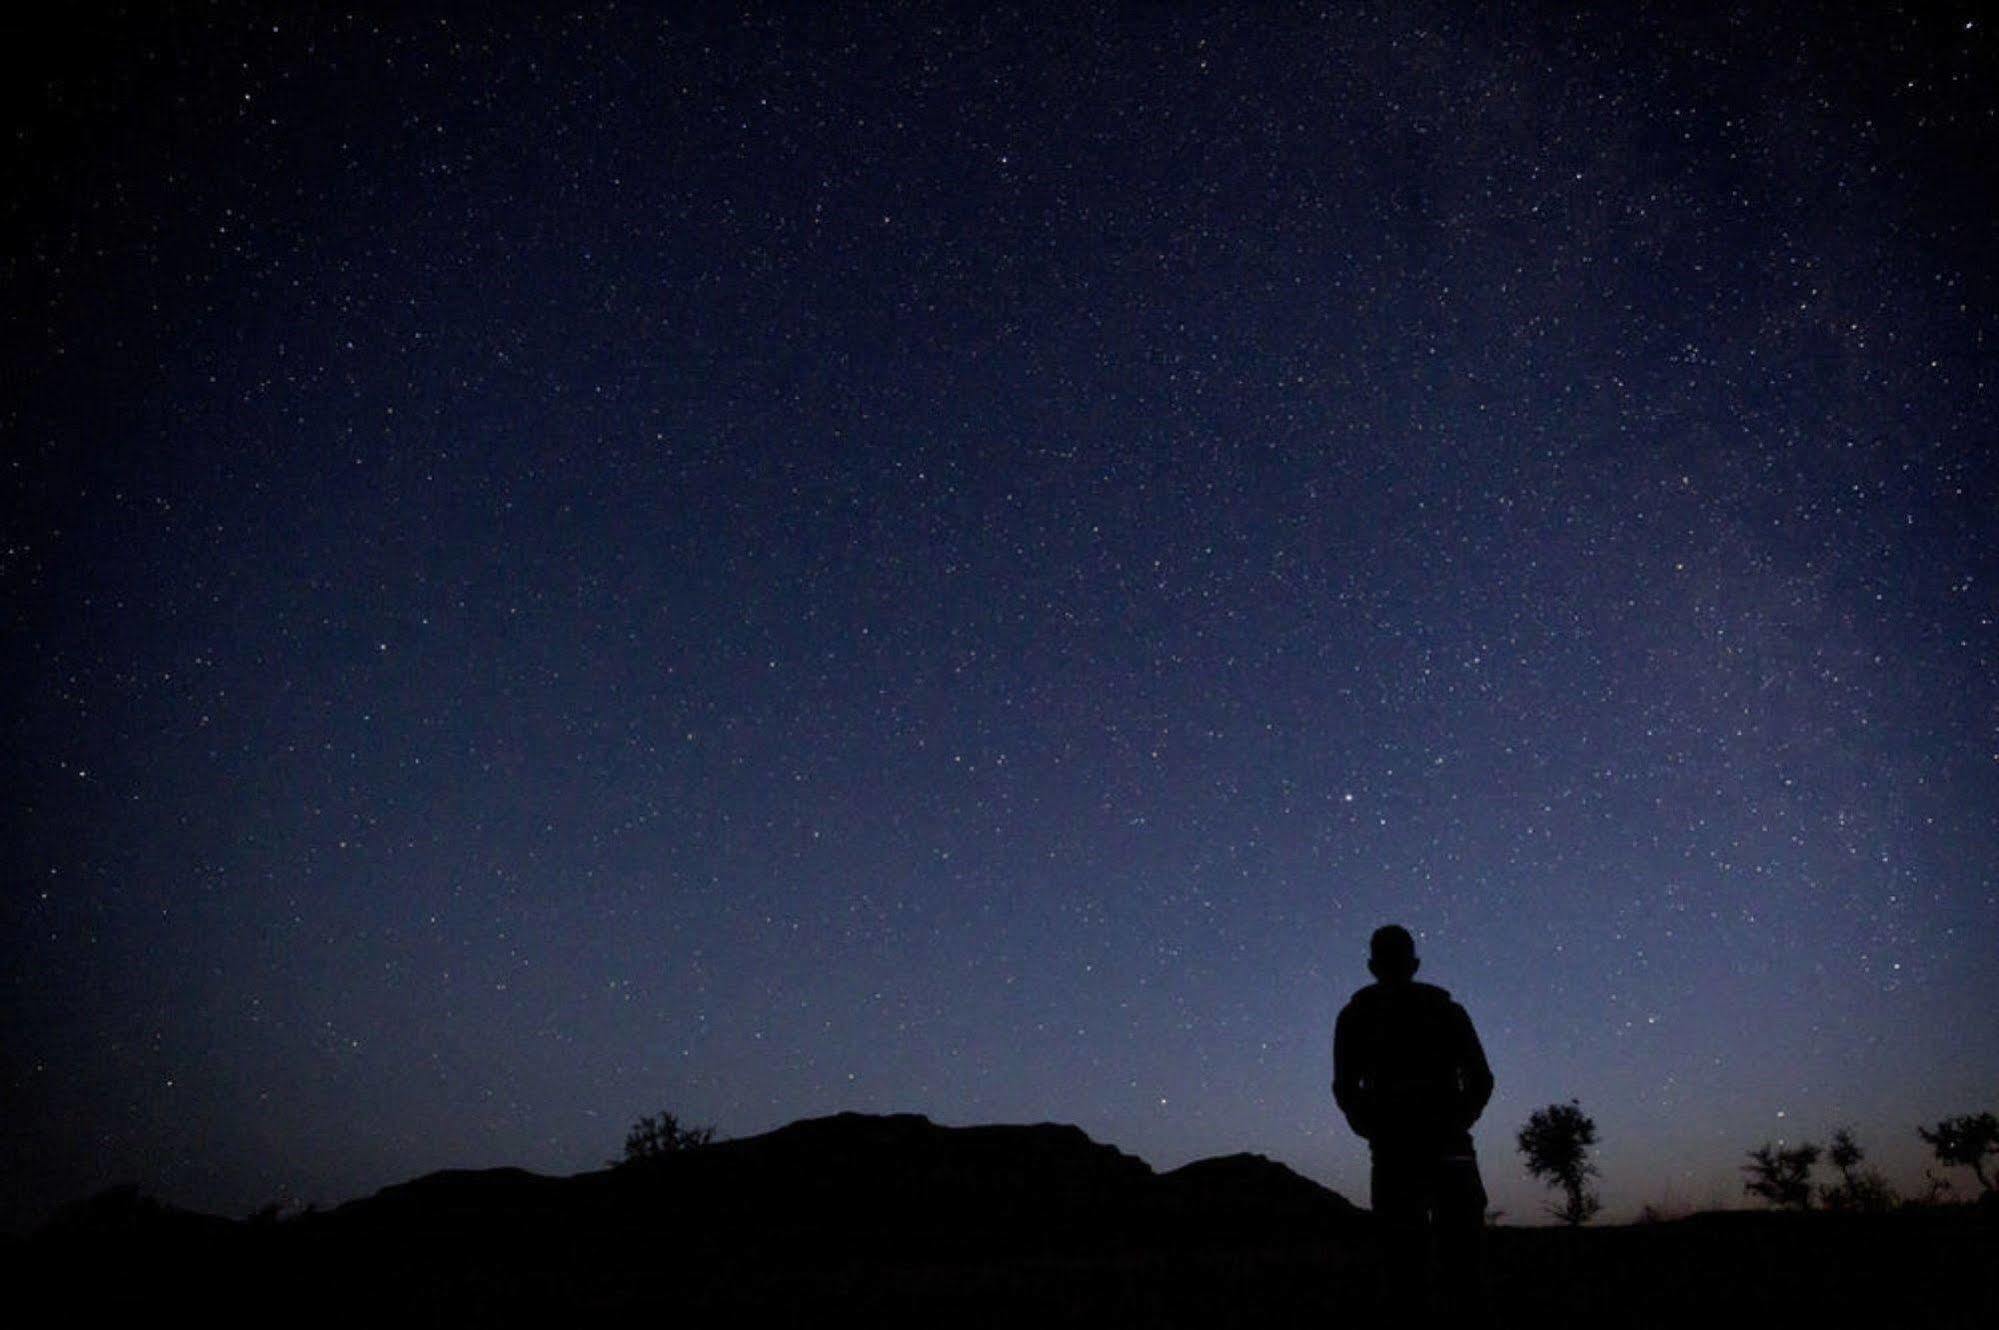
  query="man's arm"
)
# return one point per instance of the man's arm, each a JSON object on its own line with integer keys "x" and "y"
{"x": 1349, "y": 1086}
{"x": 1475, "y": 1072}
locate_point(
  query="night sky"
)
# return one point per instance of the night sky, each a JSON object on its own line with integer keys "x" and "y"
{"x": 919, "y": 560}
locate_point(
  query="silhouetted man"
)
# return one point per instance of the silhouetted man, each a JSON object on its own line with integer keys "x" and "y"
{"x": 1411, "y": 1078}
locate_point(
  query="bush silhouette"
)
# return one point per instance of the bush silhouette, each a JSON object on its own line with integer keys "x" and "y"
{"x": 1967, "y": 1140}
{"x": 1858, "y": 1189}
{"x": 653, "y": 1138}
{"x": 1782, "y": 1177}
{"x": 1556, "y": 1141}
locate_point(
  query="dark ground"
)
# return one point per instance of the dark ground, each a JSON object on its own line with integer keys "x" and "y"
{"x": 894, "y": 1221}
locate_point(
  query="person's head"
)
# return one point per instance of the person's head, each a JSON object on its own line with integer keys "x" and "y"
{"x": 1391, "y": 954}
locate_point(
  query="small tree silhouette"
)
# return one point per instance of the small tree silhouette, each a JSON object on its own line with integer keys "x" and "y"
{"x": 1782, "y": 1177}
{"x": 1968, "y": 1140}
{"x": 1556, "y": 1141}
{"x": 1858, "y": 1188}
{"x": 654, "y": 1138}
{"x": 1936, "y": 1190}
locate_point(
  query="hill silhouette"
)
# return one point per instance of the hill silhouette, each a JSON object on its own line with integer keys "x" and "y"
{"x": 902, "y": 1221}
{"x": 888, "y": 1215}
{"x": 855, "y": 1183}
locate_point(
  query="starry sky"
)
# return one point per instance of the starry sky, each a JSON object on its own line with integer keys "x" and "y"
{"x": 920, "y": 559}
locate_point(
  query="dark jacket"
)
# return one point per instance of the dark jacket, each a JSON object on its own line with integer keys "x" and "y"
{"x": 1408, "y": 1070}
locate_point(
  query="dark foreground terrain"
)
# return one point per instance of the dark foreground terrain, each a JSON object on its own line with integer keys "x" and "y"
{"x": 898, "y": 1221}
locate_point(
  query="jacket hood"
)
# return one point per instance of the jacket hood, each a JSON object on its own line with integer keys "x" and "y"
{"x": 1407, "y": 991}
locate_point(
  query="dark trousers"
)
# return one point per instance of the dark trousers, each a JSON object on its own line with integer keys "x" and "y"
{"x": 1424, "y": 1200}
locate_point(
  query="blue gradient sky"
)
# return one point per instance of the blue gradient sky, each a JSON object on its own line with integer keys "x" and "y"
{"x": 562, "y": 567}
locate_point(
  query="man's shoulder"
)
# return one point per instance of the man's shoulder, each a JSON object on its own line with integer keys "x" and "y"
{"x": 1362, "y": 999}
{"x": 1432, "y": 993}
{"x": 1408, "y": 991}
{"x": 1386, "y": 998}
{"x": 1410, "y": 997}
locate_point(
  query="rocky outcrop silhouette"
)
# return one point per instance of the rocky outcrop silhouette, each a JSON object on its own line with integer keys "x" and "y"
{"x": 1248, "y": 1193}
